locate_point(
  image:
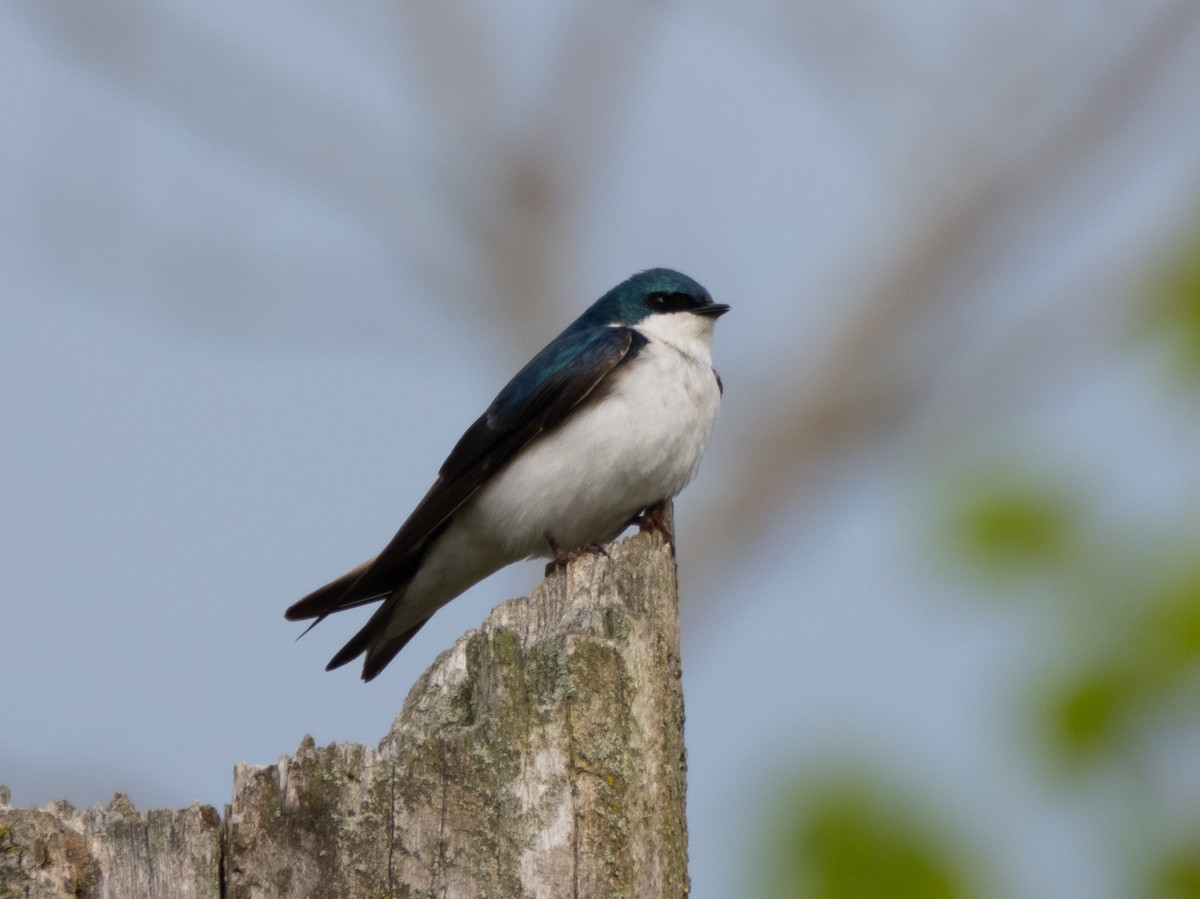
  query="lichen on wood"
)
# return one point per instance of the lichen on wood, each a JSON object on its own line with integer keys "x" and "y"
{"x": 541, "y": 756}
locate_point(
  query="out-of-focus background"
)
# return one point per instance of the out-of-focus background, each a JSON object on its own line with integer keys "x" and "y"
{"x": 260, "y": 264}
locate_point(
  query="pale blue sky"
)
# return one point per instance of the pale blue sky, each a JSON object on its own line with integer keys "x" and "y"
{"x": 249, "y": 301}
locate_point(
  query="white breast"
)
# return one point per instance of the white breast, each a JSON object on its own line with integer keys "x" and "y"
{"x": 641, "y": 443}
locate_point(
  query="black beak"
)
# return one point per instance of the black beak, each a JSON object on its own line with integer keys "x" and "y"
{"x": 714, "y": 310}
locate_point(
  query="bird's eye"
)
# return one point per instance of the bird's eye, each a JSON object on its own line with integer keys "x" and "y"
{"x": 671, "y": 301}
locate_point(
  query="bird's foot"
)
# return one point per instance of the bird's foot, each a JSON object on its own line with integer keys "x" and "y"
{"x": 654, "y": 518}
{"x": 562, "y": 556}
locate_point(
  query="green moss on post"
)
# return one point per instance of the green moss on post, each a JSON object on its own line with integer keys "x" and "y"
{"x": 541, "y": 756}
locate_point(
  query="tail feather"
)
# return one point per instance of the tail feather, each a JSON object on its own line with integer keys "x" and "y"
{"x": 377, "y": 579}
{"x": 331, "y": 598}
{"x": 380, "y": 654}
{"x": 372, "y": 640}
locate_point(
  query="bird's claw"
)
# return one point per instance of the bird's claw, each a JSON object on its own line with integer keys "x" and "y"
{"x": 562, "y": 557}
{"x": 654, "y": 518}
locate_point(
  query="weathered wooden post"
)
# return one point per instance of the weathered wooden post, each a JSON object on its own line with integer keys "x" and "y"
{"x": 541, "y": 756}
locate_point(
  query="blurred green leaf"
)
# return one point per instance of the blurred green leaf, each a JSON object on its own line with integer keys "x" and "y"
{"x": 1177, "y": 310}
{"x": 1172, "y": 630}
{"x": 1014, "y": 526}
{"x": 1178, "y": 875}
{"x": 846, "y": 841}
{"x": 1148, "y": 656}
{"x": 1089, "y": 714}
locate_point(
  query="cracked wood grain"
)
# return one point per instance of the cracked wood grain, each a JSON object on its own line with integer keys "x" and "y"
{"x": 541, "y": 756}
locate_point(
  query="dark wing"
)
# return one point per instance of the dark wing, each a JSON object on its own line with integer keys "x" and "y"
{"x": 559, "y": 378}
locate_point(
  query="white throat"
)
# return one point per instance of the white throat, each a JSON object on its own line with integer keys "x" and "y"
{"x": 685, "y": 332}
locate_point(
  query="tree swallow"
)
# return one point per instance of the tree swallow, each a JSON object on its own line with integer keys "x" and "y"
{"x": 597, "y": 432}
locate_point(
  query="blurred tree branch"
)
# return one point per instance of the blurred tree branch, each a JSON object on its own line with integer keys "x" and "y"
{"x": 887, "y": 369}
{"x": 518, "y": 179}
{"x": 988, "y": 166}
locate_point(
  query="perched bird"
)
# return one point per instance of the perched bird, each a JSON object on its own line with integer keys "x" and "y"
{"x": 597, "y": 432}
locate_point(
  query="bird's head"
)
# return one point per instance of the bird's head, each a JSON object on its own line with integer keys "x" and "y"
{"x": 658, "y": 299}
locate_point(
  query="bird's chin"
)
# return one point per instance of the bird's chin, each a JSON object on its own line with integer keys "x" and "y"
{"x": 688, "y": 332}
